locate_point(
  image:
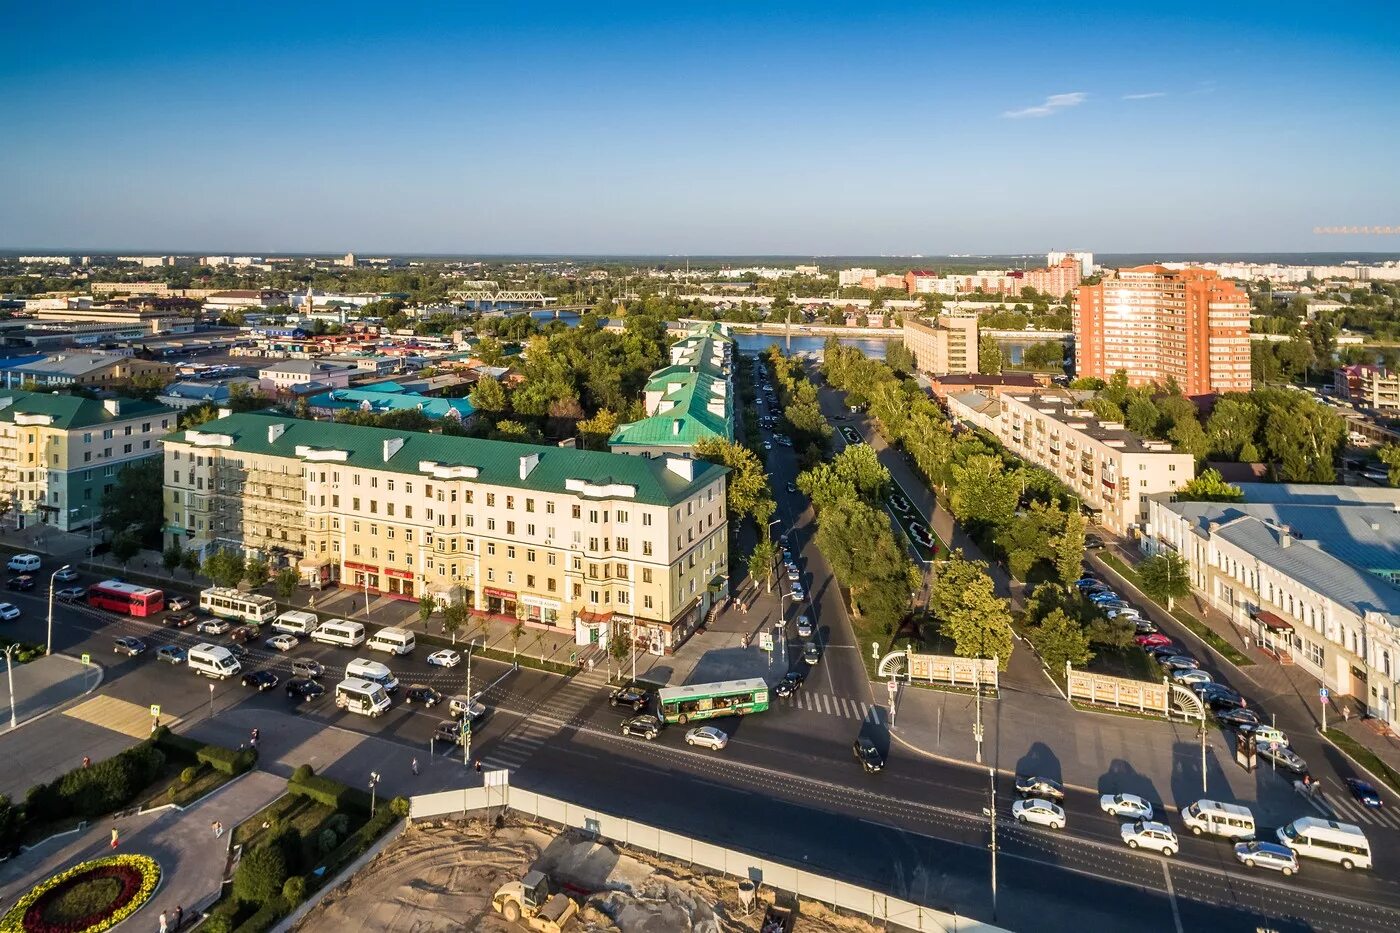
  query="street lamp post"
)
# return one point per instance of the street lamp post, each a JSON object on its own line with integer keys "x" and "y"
{"x": 373, "y": 783}
{"x": 992, "y": 813}
{"x": 10, "y": 669}
{"x": 977, "y": 726}
{"x": 211, "y": 701}
{"x": 467, "y": 716}
{"x": 48, "y": 643}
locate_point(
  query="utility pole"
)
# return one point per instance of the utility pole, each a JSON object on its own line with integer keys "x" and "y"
{"x": 1203, "y": 756}
{"x": 467, "y": 716}
{"x": 977, "y": 726}
{"x": 992, "y": 814}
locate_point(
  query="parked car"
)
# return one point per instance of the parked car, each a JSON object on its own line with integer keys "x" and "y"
{"x": 262, "y": 680}
{"x": 1130, "y": 805}
{"x": 303, "y": 689}
{"x": 631, "y": 695}
{"x": 1092, "y": 542}
{"x": 236, "y": 649}
{"x": 1086, "y": 582}
{"x": 797, "y": 591}
{"x": 174, "y": 603}
{"x": 181, "y": 619}
{"x": 70, "y": 593}
{"x": 1145, "y": 627}
{"x": 67, "y": 575}
{"x": 170, "y": 654}
{"x": 1030, "y": 785}
{"x": 804, "y": 626}
{"x": 1190, "y": 676}
{"x": 1145, "y": 834}
{"x": 1152, "y": 640}
{"x": 1040, "y": 812}
{"x": 283, "y": 642}
{"x": 420, "y": 693}
{"x": 1128, "y": 613}
{"x": 794, "y": 576}
{"x": 708, "y": 736}
{"x": 307, "y": 667}
{"x": 9, "y": 611}
{"x": 868, "y": 755}
{"x": 128, "y": 646}
{"x": 1267, "y": 855}
{"x": 647, "y": 727}
{"x": 1179, "y": 662}
{"x": 1364, "y": 792}
{"x": 213, "y": 626}
{"x": 1238, "y": 717}
{"x": 792, "y": 487}
{"x": 444, "y": 658}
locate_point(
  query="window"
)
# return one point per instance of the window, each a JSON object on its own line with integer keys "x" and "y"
{"x": 549, "y": 508}
{"x": 510, "y": 502}
{"x": 646, "y": 548}
{"x": 355, "y": 504}
{"x": 646, "y": 574}
{"x": 490, "y": 499}
{"x": 577, "y": 511}
{"x": 491, "y": 548}
{"x": 646, "y": 519}
{"x": 621, "y": 515}
{"x": 510, "y": 551}
{"x": 529, "y": 505}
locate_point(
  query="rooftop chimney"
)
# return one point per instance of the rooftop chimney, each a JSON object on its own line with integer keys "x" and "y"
{"x": 275, "y": 431}
{"x": 112, "y": 405}
{"x": 392, "y": 446}
{"x": 528, "y": 464}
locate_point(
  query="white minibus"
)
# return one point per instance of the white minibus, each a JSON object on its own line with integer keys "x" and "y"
{"x": 1327, "y": 840}
{"x": 361, "y": 696}
{"x": 295, "y": 623}
{"x": 365, "y": 669}
{"x": 1228, "y": 820}
{"x": 340, "y": 632}
{"x": 392, "y": 640}
{"x": 212, "y": 661}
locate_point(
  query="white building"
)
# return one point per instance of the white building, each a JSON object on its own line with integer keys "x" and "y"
{"x": 1085, "y": 260}
{"x": 853, "y": 277}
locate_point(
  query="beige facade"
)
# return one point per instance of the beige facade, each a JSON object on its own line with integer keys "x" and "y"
{"x": 1110, "y": 468}
{"x": 950, "y": 346}
{"x": 550, "y": 536}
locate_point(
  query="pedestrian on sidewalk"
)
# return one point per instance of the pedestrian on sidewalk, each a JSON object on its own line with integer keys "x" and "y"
{"x": 478, "y": 766}
{"x": 218, "y": 830}
{"x": 114, "y": 837}
{"x": 87, "y": 762}
{"x": 415, "y": 766}
{"x": 179, "y": 916}
{"x": 164, "y": 923}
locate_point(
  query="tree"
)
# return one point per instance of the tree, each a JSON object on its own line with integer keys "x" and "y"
{"x": 125, "y": 546}
{"x": 1142, "y": 416}
{"x": 899, "y": 358}
{"x": 989, "y": 356}
{"x": 190, "y": 562}
{"x": 133, "y": 503}
{"x": 1069, "y": 549}
{"x": 984, "y": 491}
{"x": 426, "y": 607}
{"x": 172, "y": 557}
{"x": 1189, "y": 436}
{"x": 761, "y": 561}
{"x": 1060, "y": 641}
{"x": 516, "y": 631}
{"x": 595, "y": 431}
{"x": 1210, "y": 486}
{"x": 1029, "y": 538}
{"x": 454, "y": 618}
{"x": 286, "y": 582}
{"x": 1165, "y": 577}
{"x": 256, "y": 572}
{"x": 488, "y": 395}
{"x": 619, "y": 647}
{"x": 748, "y": 491}
{"x": 978, "y": 621}
{"x": 224, "y": 567}
{"x": 1390, "y": 456}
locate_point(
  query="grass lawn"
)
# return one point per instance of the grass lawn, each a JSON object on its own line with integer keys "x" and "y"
{"x": 1203, "y": 631}
{"x": 171, "y": 789}
{"x": 1366, "y": 757}
{"x": 290, "y": 810}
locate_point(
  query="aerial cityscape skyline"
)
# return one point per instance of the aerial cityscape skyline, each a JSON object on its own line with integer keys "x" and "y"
{"x": 557, "y": 129}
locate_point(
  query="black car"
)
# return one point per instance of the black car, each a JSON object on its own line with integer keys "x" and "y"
{"x": 1238, "y": 716}
{"x": 1030, "y": 785}
{"x": 1144, "y": 627}
{"x": 792, "y": 681}
{"x": 181, "y": 619}
{"x": 421, "y": 694}
{"x": 238, "y": 651}
{"x": 449, "y": 731}
{"x": 638, "y": 698}
{"x": 302, "y": 690}
{"x": 21, "y": 582}
{"x": 1092, "y": 542}
{"x": 868, "y": 755}
{"x": 1162, "y": 652}
{"x": 648, "y": 727}
{"x": 1217, "y": 695}
{"x": 263, "y": 680}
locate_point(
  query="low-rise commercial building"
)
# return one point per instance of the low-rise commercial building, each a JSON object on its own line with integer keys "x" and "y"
{"x": 386, "y": 397}
{"x": 948, "y": 346}
{"x": 60, "y": 370}
{"x": 1309, "y": 571}
{"x": 549, "y": 536}
{"x": 286, "y": 375}
{"x": 60, "y": 454}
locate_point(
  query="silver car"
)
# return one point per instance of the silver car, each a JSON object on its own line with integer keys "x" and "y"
{"x": 708, "y": 736}
{"x": 1267, "y": 855}
{"x": 804, "y": 626}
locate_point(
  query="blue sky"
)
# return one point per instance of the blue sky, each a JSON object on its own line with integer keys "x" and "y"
{"x": 813, "y": 128}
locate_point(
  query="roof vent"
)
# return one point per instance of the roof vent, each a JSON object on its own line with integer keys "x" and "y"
{"x": 275, "y": 431}
{"x": 392, "y": 446}
{"x": 528, "y": 464}
{"x": 113, "y": 406}
{"x": 684, "y": 467}
{"x": 676, "y": 427}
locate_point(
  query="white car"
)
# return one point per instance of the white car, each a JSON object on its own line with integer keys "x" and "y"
{"x": 1130, "y": 613}
{"x": 1038, "y": 811}
{"x": 1129, "y": 805}
{"x": 9, "y": 611}
{"x": 793, "y": 576}
{"x": 1145, "y": 834}
{"x": 798, "y": 592}
{"x": 1191, "y": 677}
{"x": 213, "y": 626}
{"x": 444, "y": 658}
{"x": 708, "y": 736}
{"x": 282, "y": 642}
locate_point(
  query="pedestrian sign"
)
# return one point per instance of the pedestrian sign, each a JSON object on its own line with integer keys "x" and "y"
{"x": 1322, "y": 692}
{"x": 765, "y": 641}
{"x": 155, "y": 710}
{"x": 87, "y": 659}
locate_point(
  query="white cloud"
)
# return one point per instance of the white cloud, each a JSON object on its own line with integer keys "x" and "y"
{"x": 1148, "y": 96}
{"x": 1053, "y": 103}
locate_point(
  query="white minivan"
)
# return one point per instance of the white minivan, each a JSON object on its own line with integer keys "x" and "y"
{"x": 212, "y": 661}
{"x": 295, "y": 623}
{"x": 340, "y": 632}
{"x": 373, "y": 671}
{"x": 24, "y": 563}
{"x": 361, "y": 696}
{"x": 1328, "y": 840}
{"x": 1228, "y": 820}
{"x": 392, "y": 640}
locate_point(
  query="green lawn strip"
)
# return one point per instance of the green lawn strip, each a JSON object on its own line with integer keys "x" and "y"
{"x": 1202, "y": 631}
{"x": 174, "y": 789}
{"x": 1365, "y": 757}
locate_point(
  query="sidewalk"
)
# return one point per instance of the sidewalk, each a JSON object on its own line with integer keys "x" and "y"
{"x": 1287, "y": 683}
{"x": 191, "y": 861}
{"x": 45, "y": 684}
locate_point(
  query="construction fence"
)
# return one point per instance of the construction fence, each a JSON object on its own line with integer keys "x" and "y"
{"x": 740, "y": 865}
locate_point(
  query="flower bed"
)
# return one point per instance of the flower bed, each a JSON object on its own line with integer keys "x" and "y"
{"x": 87, "y": 898}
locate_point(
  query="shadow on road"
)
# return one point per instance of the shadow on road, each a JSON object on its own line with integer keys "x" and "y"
{"x": 1123, "y": 778}
{"x": 1041, "y": 761}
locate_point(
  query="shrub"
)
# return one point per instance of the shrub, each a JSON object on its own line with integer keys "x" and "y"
{"x": 265, "y": 918}
{"x": 302, "y": 773}
{"x": 227, "y": 760}
{"x": 11, "y": 820}
{"x": 101, "y": 788}
{"x": 189, "y": 775}
{"x": 260, "y": 875}
{"x": 399, "y": 806}
{"x": 340, "y": 822}
{"x": 294, "y": 890}
{"x": 327, "y": 841}
{"x": 331, "y": 793}
{"x": 218, "y": 921}
{"x": 288, "y": 839}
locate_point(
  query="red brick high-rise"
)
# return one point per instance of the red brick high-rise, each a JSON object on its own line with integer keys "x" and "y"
{"x": 1158, "y": 324}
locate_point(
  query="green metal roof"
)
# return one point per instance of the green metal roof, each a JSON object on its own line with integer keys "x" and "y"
{"x": 498, "y": 462}
{"x": 689, "y": 388}
{"x": 74, "y": 411}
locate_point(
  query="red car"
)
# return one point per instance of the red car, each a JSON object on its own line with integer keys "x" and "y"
{"x": 1154, "y": 640}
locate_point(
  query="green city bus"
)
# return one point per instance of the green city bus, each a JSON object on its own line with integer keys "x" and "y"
{"x": 711, "y": 701}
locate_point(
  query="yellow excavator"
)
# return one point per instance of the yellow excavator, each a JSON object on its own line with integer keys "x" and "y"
{"x": 529, "y": 902}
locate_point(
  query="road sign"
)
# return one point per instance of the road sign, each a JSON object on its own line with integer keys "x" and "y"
{"x": 765, "y": 641}
{"x": 155, "y": 710}
{"x": 1322, "y": 692}
{"x": 1325, "y": 699}
{"x": 87, "y": 659}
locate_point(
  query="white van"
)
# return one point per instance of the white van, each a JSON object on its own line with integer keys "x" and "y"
{"x": 1228, "y": 820}
{"x": 24, "y": 563}
{"x": 295, "y": 623}
{"x": 1269, "y": 734}
{"x": 373, "y": 671}
{"x": 1327, "y": 840}
{"x": 213, "y": 661}
{"x": 361, "y": 696}
{"x": 341, "y": 632}
{"x": 392, "y": 640}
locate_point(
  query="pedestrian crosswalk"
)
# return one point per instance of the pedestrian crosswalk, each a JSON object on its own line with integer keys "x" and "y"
{"x": 512, "y": 750}
{"x": 1348, "y": 810}
{"x": 830, "y": 705}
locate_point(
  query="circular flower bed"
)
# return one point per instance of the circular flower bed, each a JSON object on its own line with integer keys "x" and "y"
{"x": 87, "y": 898}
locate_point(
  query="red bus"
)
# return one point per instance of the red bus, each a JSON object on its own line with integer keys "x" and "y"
{"x": 126, "y": 598}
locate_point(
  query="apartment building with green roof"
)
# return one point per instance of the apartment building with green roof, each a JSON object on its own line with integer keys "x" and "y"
{"x": 688, "y": 401}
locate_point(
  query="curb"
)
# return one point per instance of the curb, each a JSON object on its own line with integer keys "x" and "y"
{"x": 1347, "y": 755}
{"x": 101, "y": 675}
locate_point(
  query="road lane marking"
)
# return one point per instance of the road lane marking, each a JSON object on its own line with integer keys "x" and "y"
{"x": 1171, "y": 896}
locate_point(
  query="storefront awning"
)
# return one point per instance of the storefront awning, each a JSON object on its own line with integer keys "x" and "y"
{"x": 595, "y": 618}
{"x": 1269, "y": 620}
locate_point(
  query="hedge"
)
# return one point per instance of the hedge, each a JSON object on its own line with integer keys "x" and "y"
{"x": 363, "y": 838}
{"x": 226, "y": 760}
{"x": 265, "y": 919}
{"x": 100, "y": 788}
{"x": 329, "y": 792}
{"x": 260, "y": 875}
